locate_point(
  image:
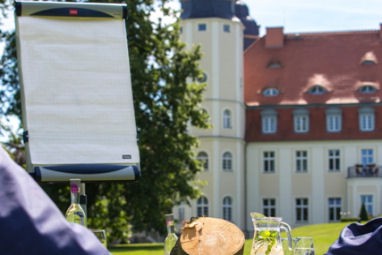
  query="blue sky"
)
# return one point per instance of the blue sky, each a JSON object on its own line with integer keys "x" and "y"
{"x": 316, "y": 16}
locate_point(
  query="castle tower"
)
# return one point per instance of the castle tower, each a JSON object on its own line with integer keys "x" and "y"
{"x": 213, "y": 25}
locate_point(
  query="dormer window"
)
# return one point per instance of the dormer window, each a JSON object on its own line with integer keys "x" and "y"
{"x": 274, "y": 64}
{"x": 367, "y": 89}
{"x": 368, "y": 62}
{"x": 317, "y": 90}
{"x": 271, "y": 92}
{"x": 202, "y": 27}
{"x": 369, "y": 59}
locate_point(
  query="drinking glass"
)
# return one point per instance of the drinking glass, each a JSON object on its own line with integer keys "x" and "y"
{"x": 303, "y": 246}
{"x": 101, "y": 235}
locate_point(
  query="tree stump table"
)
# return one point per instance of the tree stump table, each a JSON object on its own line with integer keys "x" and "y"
{"x": 210, "y": 236}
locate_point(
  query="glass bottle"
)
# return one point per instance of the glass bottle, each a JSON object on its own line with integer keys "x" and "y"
{"x": 171, "y": 237}
{"x": 75, "y": 213}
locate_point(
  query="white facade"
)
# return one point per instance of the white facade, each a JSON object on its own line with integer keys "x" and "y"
{"x": 222, "y": 64}
{"x": 319, "y": 184}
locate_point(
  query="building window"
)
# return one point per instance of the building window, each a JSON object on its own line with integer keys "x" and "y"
{"x": 202, "y": 207}
{"x": 302, "y": 210}
{"x": 227, "y": 208}
{"x": 366, "y": 119}
{"x": 274, "y": 64}
{"x": 227, "y": 161}
{"x": 367, "y": 200}
{"x": 202, "y": 78}
{"x": 202, "y": 27}
{"x": 269, "y": 121}
{"x": 334, "y": 209}
{"x": 203, "y": 159}
{"x": 317, "y": 90}
{"x": 301, "y": 121}
{"x": 227, "y": 119}
{"x": 269, "y": 161}
{"x": 367, "y": 156}
{"x": 226, "y": 28}
{"x": 181, "y": 215}
{"x": 333, "y": 120}
{"x": 367, "y": 89}
{"x": 269, "y": 207}
{"x": 271, "y": 92}
{"x": 334, "y": 160}
{"x": 301, "y": 161}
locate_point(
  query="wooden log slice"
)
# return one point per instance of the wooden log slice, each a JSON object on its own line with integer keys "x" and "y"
{"x": 211, "y": 236}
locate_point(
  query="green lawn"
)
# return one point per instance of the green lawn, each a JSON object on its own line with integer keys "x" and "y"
{"x": 323, "y": 234}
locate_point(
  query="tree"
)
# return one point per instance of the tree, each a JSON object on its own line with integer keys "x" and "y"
{"x": 167, "y": 101}
{"x": 363, "y": 215}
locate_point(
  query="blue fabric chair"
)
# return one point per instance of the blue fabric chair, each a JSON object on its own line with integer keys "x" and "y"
{"x": 31, "y": 224}
{"x": 359, "y": 239}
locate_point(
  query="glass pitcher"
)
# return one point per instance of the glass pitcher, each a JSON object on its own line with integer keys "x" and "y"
{"x": 267, "y": 238}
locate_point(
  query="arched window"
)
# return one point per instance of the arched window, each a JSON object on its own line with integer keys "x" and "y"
{"x": 227, "y": 208}
{"x": 227, "y": 119}
{"x": 271, "y": 92}
{"x": 367, "y": 89}
{"x": 317, "y": 90}
{"x": 203, "y": 158}
{"x": 202, "y": 207}
{"x": 227, "y": 161}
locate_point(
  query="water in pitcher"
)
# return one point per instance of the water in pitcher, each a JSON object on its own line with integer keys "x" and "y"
{"x": 267, "y": 239}
{"x": 264, "y": 250}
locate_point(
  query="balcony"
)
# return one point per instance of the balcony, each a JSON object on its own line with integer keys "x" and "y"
{"x": 371, "y": 170}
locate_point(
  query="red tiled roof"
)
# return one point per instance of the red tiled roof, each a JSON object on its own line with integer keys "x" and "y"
{"x": 332, "y": 60}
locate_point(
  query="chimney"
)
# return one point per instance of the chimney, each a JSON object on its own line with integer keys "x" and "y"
{"x": 274, "y": 37}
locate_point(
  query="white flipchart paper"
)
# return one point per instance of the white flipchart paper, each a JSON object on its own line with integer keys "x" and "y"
{"x": 76, "y": 88}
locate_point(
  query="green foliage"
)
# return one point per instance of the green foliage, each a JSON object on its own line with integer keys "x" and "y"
{"x": 167, "y": 101}
{"x": 266, "y": 238}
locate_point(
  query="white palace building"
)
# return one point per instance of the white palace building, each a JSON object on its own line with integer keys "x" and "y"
{"x": 296, "y": 119}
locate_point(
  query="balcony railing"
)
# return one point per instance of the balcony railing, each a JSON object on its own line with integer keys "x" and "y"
{"x": 359, "y": 170}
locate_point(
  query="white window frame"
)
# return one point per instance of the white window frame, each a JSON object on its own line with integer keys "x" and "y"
{"x": 302, "y": 209}
{"x": 301, "y": 121}
{"x": 301, "y": 161}
{"x": 227, "y": 119}
{"x": 202, "y": 206}
{"x": 368, "y": 200}
{"x": 269, "y": 207}
{"x": 367, "y": 156}
{"x": 227, "y": 160}
{"x": 269, "y": 161}
{"x": 203, "y": 158}
{"x": 227, "y": 208}
{"x": 269, "y": 121}
{"x": 334, "y": 160}
{"x": 366, "y": 119}
{"x": 333, "y": 120}
{"x": 334, "y": 208}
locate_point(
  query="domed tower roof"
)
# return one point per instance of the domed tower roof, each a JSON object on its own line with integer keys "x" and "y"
{"x": 251, "y": 29}
{"x": 208, "y": 9}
